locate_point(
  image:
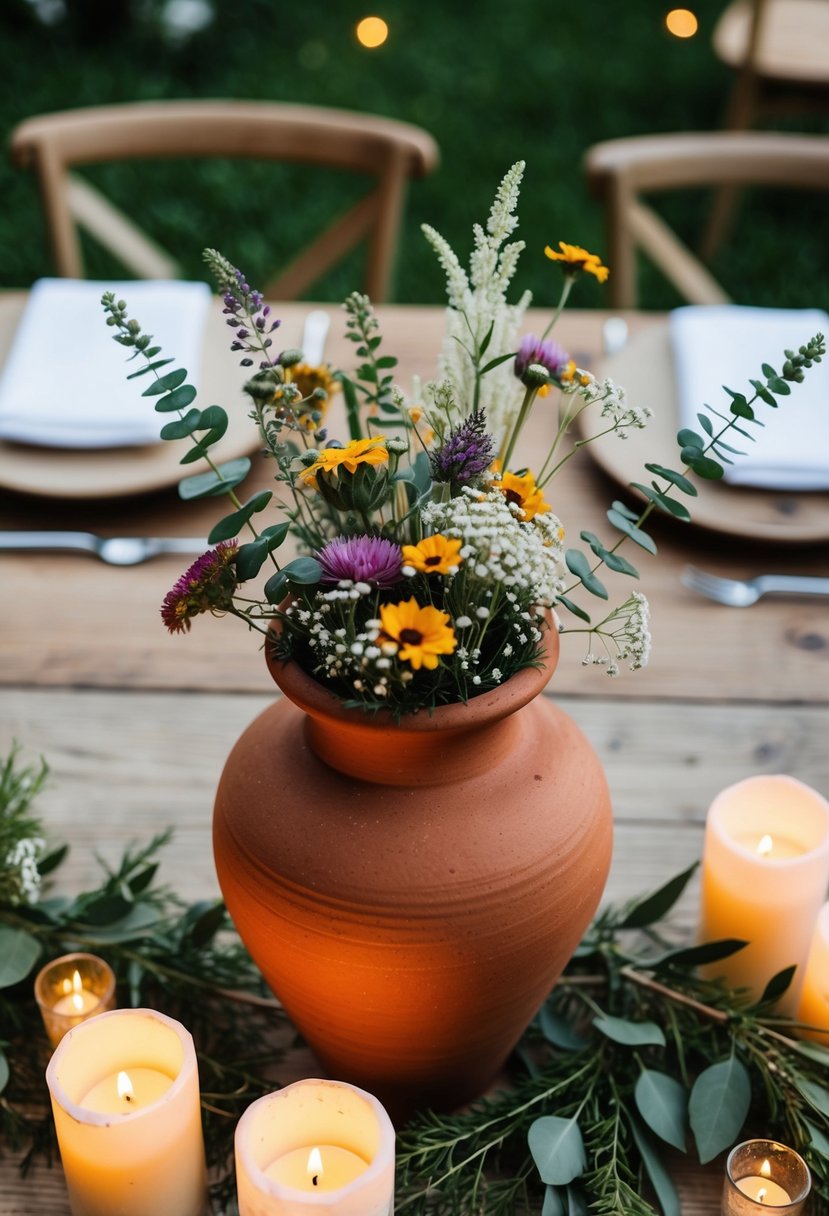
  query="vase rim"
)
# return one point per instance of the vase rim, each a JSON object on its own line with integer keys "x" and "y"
{"x": 315, "y": 699}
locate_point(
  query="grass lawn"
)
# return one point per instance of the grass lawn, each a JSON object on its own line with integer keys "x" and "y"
{"x": 493, "y": 82}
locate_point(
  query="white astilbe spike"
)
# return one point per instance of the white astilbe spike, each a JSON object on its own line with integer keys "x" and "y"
{"x": 457, "y": 283}
{"x": 502, "y": 218}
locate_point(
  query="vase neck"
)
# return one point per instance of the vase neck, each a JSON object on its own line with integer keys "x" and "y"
{"x": 395, "y": 756}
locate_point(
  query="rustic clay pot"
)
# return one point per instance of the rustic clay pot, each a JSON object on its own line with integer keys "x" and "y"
{"x": 412, "y": 891}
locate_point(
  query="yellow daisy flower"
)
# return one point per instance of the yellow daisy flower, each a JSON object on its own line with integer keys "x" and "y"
{"x": 433, "y": 555}
{"x": 420, "y": 633}
{"x": 523, "y": 491}
{"x": 308, "y": 377}
{"x": 575, "y": 259}
{"x": 359, "y": 451}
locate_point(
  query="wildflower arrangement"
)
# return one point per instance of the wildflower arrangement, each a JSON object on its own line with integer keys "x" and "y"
{"x": 428, "y": 558}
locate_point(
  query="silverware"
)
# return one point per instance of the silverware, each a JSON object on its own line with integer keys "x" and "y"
{"x": 115, "y": 550}
{"x": 740, "y": 593}
{"x": 314, "y": 333}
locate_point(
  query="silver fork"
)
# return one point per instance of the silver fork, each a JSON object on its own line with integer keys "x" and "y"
{"x": 115, "y": 550}
{"x": 740, "y": 593}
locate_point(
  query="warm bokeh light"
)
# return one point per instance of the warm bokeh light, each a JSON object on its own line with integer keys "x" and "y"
{"x": 372, "y": 31}
{"x": 682, "y": 23}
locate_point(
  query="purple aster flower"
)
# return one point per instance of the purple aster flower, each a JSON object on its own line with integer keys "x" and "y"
{"x": 362, "y": 559}
{"x": 547, "y": 354}
{"x": 466, "y": 454}
{"x": 206, "y": 586}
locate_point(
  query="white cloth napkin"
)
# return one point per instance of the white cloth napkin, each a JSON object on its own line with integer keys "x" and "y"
{"x": 64, "y": 383}
{"x": 727, "y": 345}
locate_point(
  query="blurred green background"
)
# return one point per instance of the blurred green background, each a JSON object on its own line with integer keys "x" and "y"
{"x": 493, "y": 82}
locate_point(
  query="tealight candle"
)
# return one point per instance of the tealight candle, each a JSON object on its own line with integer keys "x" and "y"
{"x": 71, "y": 989}
{"x": 813, "y": 1009}
{"x": 765, "y": 872}
{"x": 315, "y": 1144}
{"x": 125, "y": 1100}
{"x": 764, "y": 1174}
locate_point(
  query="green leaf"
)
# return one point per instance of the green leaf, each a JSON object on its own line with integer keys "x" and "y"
{"x": 777, "y": 985}
{"x": 779, "y": 386}
{"x": 209, "y": 485}
{"x": 625, "y": 510}
{"x": 557, "y": 1149}
{"x": 252, "y": 556}
{"x": 687, "y": 438}
{"x": 179, "y": 399}
{"x": 574, "y": 608}
{"x": 165, "y": 384}
{"x": 815, "y": 1094}
{"x": 137, "y": 923}
{"x": 706, "y": 424}
{"x": 630, "y": 1034}
{"x": 818, "y": 1141}
{"x": 558, "y": 1031}
{"x": 677, "y": 479}
{"x": 669, "y": 505}
{"x": 718, "y": 1106}
{"x": 653, "y": 907}
{"x": 703, "y": 466}
{"x": 231, "y": 525}
{"x": 149, "y": 367}
{"x": 576, "y": 1203}
{"x": 698, "y": 956}
{"x": 386, "y": 361}
{"x": 741, "y": 408}
{"x": 181, "y": 428}
{"x": 663, "y": 1104}
{"x": 303, "y": 570}
{"x": 19, "y": 952}
{"x": 613, "y": 561}
{"x": 624, "y": 524}
{"x": 493, "y": 363}
{"x": 4, "y": 1071}
{"x": 660, "y": 1179}
{"x": 52, "y": 860}
{"x": 763, "y": 393}
{"x": 208, "y": 924}
{"x": 553, "y": 1203}
{"x": 276, "y": 587}
{"x": 143, "y": 879}
{"x": 578, "y": 564}
{"x": 814, "y": 1051}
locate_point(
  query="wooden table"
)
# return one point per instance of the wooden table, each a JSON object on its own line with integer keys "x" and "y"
{"x": 135, "y": 725}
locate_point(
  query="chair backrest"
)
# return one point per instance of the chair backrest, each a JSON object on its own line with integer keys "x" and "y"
{"x": 780, "y": 40}
{"x": 620, "y": 171}
{"x": 388, "y": 152}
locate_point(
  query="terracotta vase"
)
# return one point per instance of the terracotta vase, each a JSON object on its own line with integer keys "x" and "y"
{"x": 412, "y": 891}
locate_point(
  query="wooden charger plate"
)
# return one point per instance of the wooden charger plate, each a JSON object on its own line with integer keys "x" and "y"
{"x": 644, "y": 367}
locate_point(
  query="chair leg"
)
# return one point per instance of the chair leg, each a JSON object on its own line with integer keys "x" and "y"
{"x": 740, "y": 115}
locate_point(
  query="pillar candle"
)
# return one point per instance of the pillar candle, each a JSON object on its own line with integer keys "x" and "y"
{"x": 762, "y": 1174}
{"x": 765, "y": 873}
{"x": 315, "y": 1146}
{"x": 125, "y": 1099}
{"x": 71, "y": 989}
{"x": 813, "y": 1009}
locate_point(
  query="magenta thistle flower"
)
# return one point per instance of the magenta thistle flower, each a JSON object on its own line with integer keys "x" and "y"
{"x": 207, "y": 586}
{"x": 361, "y": 559}
{"x": 540, "y": 353}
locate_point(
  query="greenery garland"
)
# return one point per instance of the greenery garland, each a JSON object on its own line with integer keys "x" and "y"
{"x": 631, "y": 1053}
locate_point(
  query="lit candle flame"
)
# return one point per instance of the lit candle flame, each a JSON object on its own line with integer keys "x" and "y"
{"x": 765, "y": 1168}
{"x": 315, "y": 1166}
{"x": 124, "y": 1086}
{"x": 764, "y": 848}
{"x": 761, "y": 1195}
{"x": 77, "y": 988}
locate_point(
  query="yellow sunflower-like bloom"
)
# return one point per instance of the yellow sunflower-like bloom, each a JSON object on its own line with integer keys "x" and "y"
{"x": 359, "y": 451}
{"x": 523, "y": 491}
{"x": 420, "y": 633}
{"x": 307, "y": 377}
{"x": 575, "y": 259}
{"x": 433, "y": 555}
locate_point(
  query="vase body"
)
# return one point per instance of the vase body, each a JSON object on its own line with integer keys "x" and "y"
{"x": 411, "y": 891}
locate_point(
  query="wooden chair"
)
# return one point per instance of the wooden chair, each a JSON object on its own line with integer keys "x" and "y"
{"x": 779, "y": 50}
{"x": 620, "y": 171}
{"x": 384, "y": 150}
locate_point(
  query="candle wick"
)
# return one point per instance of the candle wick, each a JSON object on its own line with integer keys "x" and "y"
{"x": 128, "y": 1097}
{"x": 315, "y": 1180}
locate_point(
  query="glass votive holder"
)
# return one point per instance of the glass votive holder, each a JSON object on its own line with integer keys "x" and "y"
{"x": 71, "y": 989}
{"x": 762, "y": 1174}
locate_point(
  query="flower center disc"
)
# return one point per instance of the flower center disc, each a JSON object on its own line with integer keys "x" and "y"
{"x": 411, "y": 637}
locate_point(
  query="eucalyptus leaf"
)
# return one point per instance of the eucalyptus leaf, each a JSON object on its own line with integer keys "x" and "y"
{"x": 557, "y": 1149}
{"x": 19, "y": 952}
{"x": 553, "y": 1204}
{"x": 166, "y": 383}
{"x": 578, "y": 564}
{"x": 816, "y": 1095}
{"x": 663, "y": 1104}
{"x": 232, "y": 524}
{"x": 636, "y": 534}
{"x": 181, "y": 428}
{"x": 150, "y": 367}
{"x": 574, "y": 608}
{"x": 559, "y": 1031}
{"x": 137, "y": 923}
{"x": 210, "y": 485}
{"x": 703, "y": 466}
{"x": 653, "y": 907}
{"x": 660, "y": 1179}
{"x": 303, "y": 570}
{"x": 676, "y": 479}
{"x": 625, "y": 510}
{"x": 686, "y": 438}
{"x": 629, "y": 1034}
{"x": 718, "y": 1106}
{"x": 576, "y": 1202}
{"x": 817, "y": 1139}
{"x": 178, "y": 399}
